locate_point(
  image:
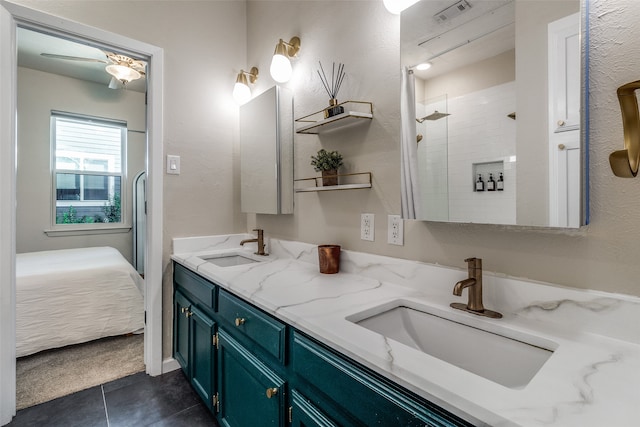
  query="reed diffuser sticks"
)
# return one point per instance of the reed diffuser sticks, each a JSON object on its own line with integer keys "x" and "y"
{"x": 337, "y": 77}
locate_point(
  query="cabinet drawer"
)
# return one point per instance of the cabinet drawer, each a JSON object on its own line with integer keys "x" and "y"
{"x": 261, "y": 329}
{"x": 200, "y": 288}
{"x": 366, "y": 396}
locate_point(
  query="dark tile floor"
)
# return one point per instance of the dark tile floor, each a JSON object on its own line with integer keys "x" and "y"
{"x": 136, "y": 400}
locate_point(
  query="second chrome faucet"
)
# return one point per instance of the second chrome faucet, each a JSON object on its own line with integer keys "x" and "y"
{"x": 474, "y": 286}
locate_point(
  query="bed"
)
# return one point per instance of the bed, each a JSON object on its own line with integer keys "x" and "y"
{"x": 71, "y": 296}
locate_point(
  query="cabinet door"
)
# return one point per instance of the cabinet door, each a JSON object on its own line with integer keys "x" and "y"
{"x": 181, "y": 306}
{"x": 250, "y": 394}
{"x": 304, "y": 414}
{"x": 368, "y": 398}
{"x": 202, "y": 362}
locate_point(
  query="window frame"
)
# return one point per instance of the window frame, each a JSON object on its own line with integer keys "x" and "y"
{"x": 95, "y": 227}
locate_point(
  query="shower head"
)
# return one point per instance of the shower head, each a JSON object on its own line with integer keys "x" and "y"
{"x": 436, "y": 115}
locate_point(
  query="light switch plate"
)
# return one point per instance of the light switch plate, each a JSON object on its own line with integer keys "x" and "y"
{"x": 173, "y": 165}
{"x": 395, "y": 230}
{"x": 367, "y": 227}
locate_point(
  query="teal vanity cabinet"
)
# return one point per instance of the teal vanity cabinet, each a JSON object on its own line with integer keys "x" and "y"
{"x": 250, "y": 393}
{"x": 251, "y": 365}
{"x": 255, "y": 370}
{"x": 340, "y": 387}
{"x": 194, "y": 331}
{"x": 303, "y": 413}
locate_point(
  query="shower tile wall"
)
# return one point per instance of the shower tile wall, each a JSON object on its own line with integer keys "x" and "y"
{"x": 481, "y": 132}
{"x": 432, "y": 162}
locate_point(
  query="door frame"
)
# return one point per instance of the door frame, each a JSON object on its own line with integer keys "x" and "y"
{"x": 11, "y": 15}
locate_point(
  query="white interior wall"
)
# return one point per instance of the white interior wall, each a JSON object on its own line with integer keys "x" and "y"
{"x": 38, "y": 94}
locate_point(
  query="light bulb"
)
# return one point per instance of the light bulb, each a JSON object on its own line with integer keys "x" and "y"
{"x": 281, "y": 68}
{"x": 241, "y": 93}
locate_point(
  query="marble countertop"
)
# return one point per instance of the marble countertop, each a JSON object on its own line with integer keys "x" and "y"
{"x": 591, "y": 379}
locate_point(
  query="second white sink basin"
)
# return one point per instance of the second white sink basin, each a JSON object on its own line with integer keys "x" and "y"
{"x": 507, "y": 357}
{"x": 229, "y": 259}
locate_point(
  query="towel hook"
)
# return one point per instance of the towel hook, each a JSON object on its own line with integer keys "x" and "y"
{"x": 625, "y": 163}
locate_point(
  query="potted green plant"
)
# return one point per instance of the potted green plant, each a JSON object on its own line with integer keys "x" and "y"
{"x": 328, "y": 163}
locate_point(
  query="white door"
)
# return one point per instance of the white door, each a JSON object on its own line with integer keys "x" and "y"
{"x": 564, "y": 121}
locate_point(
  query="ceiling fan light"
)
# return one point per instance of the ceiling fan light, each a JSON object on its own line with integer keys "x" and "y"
{"x": 123, "y": 73}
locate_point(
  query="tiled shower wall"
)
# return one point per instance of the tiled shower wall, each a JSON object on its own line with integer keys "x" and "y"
{"x": 481, "y": 132}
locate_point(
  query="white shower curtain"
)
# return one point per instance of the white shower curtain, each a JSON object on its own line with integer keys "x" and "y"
{"x": 410, "y": 192}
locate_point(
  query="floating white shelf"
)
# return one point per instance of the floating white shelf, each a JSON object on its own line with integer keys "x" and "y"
{"x": 315, "y": 183}
{"x": 355, "y": 112}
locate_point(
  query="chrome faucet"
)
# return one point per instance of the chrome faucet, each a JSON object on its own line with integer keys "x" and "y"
{"x": 474, "y": 285}
{"x": 259, "y": 240}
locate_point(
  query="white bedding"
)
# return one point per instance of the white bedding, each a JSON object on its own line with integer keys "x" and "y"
{"x": 71, "y": 296}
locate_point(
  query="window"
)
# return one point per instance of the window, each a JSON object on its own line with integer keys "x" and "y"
{"x": 88, "y": 159}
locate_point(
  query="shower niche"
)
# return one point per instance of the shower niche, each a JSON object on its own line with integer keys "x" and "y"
{"x": 490, "y": 174}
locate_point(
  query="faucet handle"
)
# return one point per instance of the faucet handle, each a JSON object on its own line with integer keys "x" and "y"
{"x": 474, "y": 263}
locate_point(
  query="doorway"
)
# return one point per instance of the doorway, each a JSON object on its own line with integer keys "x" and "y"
{"x": 12, "y": 16}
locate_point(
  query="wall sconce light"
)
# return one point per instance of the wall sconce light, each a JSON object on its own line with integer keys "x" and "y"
{"x": 241, "y": 91}
{"x": 281, "y": 64}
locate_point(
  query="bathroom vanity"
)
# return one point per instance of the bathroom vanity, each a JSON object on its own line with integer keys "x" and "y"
{"x": 302, "y": 348}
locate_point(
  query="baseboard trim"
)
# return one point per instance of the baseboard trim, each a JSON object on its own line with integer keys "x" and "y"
{"x": 170, "y": 364}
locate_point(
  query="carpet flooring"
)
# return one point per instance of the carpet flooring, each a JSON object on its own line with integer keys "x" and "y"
{"x": 58, "y": 372}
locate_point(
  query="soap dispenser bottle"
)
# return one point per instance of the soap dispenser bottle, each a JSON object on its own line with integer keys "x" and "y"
{"x": 491, "y": 184}
{"x": 479, "y": 183}
{"x": 500, "y": 183}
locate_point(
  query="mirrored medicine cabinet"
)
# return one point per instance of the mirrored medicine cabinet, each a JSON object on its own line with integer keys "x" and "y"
{"x": 495, "y": 130}
{"x": 266, "y": 153}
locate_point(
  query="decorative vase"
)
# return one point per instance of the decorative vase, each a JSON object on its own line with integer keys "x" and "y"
{"x": 329, "y": 177}
{"x": 334, "y": 109}
{"x": 329, "y": 259}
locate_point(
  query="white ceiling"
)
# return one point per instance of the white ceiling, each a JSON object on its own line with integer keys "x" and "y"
{"x": 32, "y": 43}
{"x": 486, "y": 29}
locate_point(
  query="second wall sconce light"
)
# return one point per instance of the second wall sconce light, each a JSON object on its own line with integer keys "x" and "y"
{"x": 281, "y": 64}
{"x": 241, "y": 91}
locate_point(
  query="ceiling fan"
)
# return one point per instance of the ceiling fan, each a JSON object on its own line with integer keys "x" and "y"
{"x": 122, "y": 68}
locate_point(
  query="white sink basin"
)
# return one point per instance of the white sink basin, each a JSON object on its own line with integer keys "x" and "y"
{"x": 229, "y": 259}
{"x": 507, "y": 357}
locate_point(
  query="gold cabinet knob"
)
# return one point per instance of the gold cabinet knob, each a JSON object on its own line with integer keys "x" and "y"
{"x": 240, "y": 321}
{"x": 560, "y": 122}
{"x": 272, "y": 392}
{"x": 561, "y": 147}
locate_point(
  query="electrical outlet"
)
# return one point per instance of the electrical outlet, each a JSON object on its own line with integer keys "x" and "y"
{"x": 395, "y": 230}
{"x": 366, "y": 227}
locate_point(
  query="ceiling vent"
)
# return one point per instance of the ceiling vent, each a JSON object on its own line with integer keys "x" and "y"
{"x": 452, "y": 11}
